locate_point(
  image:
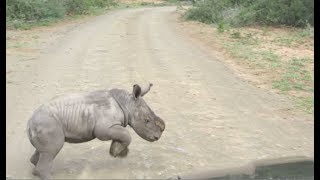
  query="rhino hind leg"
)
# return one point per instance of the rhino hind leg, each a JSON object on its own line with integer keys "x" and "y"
{"x": 47, "y": 153}
{"x": 44, "y": 166}
{"x": 35, "y": 157}
{"x": 48, "y": 138}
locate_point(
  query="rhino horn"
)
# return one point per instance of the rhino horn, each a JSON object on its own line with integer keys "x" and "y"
{"x": 146, "y": 89}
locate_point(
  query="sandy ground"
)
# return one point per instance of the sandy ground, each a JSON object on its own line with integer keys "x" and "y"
{"x": 214, "y": 118}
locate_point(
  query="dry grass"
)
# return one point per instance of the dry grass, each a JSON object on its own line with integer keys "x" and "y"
{"x": 279, "y": 59}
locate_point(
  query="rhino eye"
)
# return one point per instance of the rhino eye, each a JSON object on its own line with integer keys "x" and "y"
{"x": 146, "y": 120}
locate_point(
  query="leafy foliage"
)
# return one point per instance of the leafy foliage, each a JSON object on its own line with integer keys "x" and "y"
{"x": 247, "y": 12}
{"x": 42, "y": 10}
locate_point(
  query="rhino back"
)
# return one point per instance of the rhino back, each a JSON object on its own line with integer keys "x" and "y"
{"x": 79, "y": 113}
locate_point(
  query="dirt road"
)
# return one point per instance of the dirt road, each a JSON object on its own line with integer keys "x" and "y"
{"x": 214, "y": 119}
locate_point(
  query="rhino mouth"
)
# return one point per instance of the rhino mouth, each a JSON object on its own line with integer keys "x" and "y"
{"x": 154, "y": 138}
{"x": 151, "y": 139}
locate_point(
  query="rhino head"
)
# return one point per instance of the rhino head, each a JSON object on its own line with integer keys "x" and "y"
{"x": 143, "y": 120}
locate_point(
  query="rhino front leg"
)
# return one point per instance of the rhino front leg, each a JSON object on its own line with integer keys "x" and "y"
{"x": 120, "y": 139}
{"x": 118, "y": 150}
{"x": 35, "y": 157}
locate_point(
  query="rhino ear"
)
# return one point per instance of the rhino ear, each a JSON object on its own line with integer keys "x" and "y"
{"x": 136, "y": 91}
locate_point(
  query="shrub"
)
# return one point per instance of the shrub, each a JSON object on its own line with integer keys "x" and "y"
{"x": 19, "y": 12}
{"x": 30, "y": 10}
{"x": 280, "y": 12}
{"x": 247, "y": 12}
{"x": 77, "y": 6}
{"x": 207, "y": 11}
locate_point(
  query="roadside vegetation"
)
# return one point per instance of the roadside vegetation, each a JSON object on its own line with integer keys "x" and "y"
{"x": 298, "y": 13}
{"x": 24, "y": 14}
{"x": 273, "y": 41}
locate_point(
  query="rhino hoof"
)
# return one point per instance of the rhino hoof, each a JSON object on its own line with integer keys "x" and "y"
{"x": 117, "y": 149}
{"x": 35, "y": 172}
{"x": 124, "y": 153}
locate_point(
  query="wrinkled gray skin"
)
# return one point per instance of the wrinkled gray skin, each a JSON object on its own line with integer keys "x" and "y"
{"x": 80, "y": 118}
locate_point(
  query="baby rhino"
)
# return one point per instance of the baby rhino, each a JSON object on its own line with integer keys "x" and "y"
{"x": 80, "y": 118}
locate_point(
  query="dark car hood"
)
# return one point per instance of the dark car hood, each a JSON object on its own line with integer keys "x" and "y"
{"x": 297, "y": 167}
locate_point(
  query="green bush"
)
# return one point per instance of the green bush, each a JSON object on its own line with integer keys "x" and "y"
{"x": 24, "y": 11}
{"x": 209, "y": 11}
{"x": 247, "y": 12}
{"x": 102, "y": 3}
{"x": 30, "y": 10}
{"x": 77, "y": 6}
{"x": 279, "y": 12}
